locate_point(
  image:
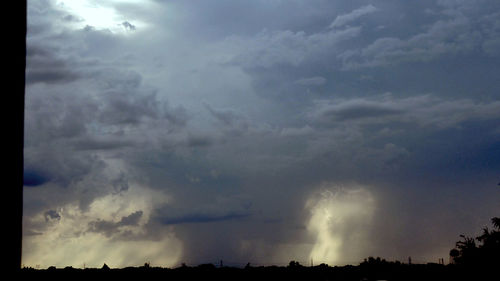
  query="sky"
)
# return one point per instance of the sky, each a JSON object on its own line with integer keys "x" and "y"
{"x": 260, "y": 131}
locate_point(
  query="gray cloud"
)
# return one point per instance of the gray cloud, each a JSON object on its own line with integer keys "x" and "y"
{"x": 43, "y": 66}
{"x": 422, "y": 110}
{"x": 311, "y": 81}
{"x": 270, "y": 48}
{"x": 110, "y": 228}
{"x": 132, "y": 219}
{"x": 198, "y": 141}
{"x": 72, "y": 18}
{"x": 358, "y": 109}
{"x": 460, "y": 31}
{"x": 226, "y": 117}
{"x": 52, "y": 215}
{"x": 201, "y": 218}
{"x": 219, "y": 208}
{"x": 120, "y": 183}
{"x": 101, "y": 143}
{"x": 128, "y": 25}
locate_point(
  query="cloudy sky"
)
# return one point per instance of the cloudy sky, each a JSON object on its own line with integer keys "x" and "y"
{"x": 258, "y": 131}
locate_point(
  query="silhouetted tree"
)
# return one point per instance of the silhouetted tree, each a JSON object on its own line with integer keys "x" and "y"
{"x": 496, "y": 222}
{"x": 374, "y": 261}
{"x": 466, "y": 252}
{"x": 294, "y": 264}
{"x": 490, "y": 239}
{"x": 454, "y": 253}
{"x": 105, "y": 267}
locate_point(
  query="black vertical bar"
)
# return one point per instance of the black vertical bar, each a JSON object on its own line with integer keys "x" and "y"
{"x": 13, "y": 135}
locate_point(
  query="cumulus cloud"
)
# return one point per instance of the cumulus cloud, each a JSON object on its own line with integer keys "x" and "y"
{"x": 270, "y": 48}
{"x": 113, "y": 226}
{"x": 462, "y": 32}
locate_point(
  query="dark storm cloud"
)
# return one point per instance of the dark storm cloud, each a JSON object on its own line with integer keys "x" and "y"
{"x": 201, "y": 210}
{"x": 225, "y": 108}
{"x": 132, "y": 219}
{"x": 105, "y": 227}
{"x": 198, "y": 141}
{"x": 52, "y": 215}
{"x": 110, "y": 228}
{"x": 61, "y": 141}
{"x": 201, "y": 218}
{"x": 34, "y": 178}
{"x": 311, "y": 81}
{"x": 63, "y": 167}
{"x": 425, "y": 110}
{"x": 50, "y": 76}
{"x": 355, "y": 109}
{"x": 43, "y": 66}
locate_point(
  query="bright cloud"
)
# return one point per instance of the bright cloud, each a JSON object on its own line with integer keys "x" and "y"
{"x": 113, "y": 231}
{"x": 341, "y": 220}
{"x": 100, "y": 14}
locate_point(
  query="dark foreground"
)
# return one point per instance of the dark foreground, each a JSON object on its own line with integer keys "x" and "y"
{"x": 364, "y": 271}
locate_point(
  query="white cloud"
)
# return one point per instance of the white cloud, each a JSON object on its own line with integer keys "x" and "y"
{"x": 352, "y": 16}
{"x": 102, "y": 15}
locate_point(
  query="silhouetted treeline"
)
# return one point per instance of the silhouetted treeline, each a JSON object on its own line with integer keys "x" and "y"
{"x": 470, "y": 261}
{"x": 372, "y": 269}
